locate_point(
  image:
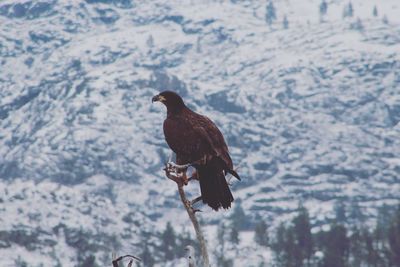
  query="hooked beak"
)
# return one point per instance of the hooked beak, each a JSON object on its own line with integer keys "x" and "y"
{"x": 159, "y": 98}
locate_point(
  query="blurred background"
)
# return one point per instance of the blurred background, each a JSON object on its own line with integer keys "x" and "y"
{"x": 306, "y": 92}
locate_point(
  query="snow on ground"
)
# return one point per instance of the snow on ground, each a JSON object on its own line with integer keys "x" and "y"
{"x": 310, "y": 113}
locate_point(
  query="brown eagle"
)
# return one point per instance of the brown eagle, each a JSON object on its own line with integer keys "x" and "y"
{"x": 196, "y": 140}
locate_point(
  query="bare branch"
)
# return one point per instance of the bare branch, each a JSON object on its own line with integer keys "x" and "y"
{"x": 116, "y": 260}
{"x": 170, "y": 172}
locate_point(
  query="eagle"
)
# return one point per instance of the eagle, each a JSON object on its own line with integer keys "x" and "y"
{"x": 197, "y": 141}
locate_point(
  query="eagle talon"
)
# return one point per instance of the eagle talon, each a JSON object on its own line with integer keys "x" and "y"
{"x": 185, "y": 179}
{"x": 194, "y": 176}
{"x": 189, "y": 204}
{"x": 178, "y": 171}
{"x": 179, "y": 167}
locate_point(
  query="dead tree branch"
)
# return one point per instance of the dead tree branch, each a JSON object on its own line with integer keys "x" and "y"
{"x": 175, "y": 175}
{"x": 117, "y": 260}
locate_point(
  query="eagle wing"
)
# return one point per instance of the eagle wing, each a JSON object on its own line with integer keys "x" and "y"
{"x": 210, "y": 131}
{"x": 184, "y": 140}
{"x": 193, "y": 136}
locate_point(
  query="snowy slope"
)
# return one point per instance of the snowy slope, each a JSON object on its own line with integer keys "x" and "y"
{"x": 310, "y": 113}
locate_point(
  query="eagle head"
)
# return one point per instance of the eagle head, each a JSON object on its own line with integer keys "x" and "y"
{"x": 170, "y": 99}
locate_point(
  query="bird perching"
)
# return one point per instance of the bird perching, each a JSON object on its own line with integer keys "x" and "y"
{"x": 197, "y": 142}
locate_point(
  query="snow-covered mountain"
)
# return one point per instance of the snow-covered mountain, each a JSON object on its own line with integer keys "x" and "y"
{"x": 310, "y": 113}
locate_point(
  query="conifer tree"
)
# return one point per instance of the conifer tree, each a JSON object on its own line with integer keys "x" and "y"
{"x": 278, "y": 244}
{"x": 303, "y": 236}
{"x": 238, "y": 217}
{"x": 348, "y": 10}
{"x": 385, "y": 20}
{"x": 150, "y": 41}
{"x": 292, "y": 254}
{"x": 323, "y": 8}
{"x": 270, "y": 15}
{"x": 394, "y": 239}
{"x": 356, "y": 247}
{"x": 261, "y": 234}
{"x": 356, "y": 215}
{"x": 371, "y": 247}
{"x": 285, "y": 22}
{"x": 360, "y": 27}
{"x": 286, "y": 248}
{"x": 336, "y": 247}
{"x": 198, "y": 45}
{"x": 375, "y": 11}
{"x": 220, "y": 249}
{"x": 340, "y": 212}
{"x": 146, "y": 256}
{"x": 168, "y": 242}
{"x": 234, "y": 235}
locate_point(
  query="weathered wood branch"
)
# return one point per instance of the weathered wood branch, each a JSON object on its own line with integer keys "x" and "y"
{"x": 170, "y": 173}
{"x": 117, "y": 260}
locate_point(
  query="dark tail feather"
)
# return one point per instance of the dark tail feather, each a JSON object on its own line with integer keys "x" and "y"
{"x": 214, "y": 189}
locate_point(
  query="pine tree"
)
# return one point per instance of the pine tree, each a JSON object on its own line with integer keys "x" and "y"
{"x": 292, "y": 256}
{"x": 303, "y": 236}
{"x": 221, "y": 233}
{"x": 358, "y": 26}
{"x": 356, "y": 215}
{"x": 150, "y": 41}
{"x": 340, "y": 212}
{"x": 385, "y": 20}
{"x": 383, "y": 221}
{"x": 323, "y": 8}
{"x": 146, "y": 256}
{"x": 394, "y": 239}
{"x": 363, "y": 249}
{"x": 286, "y": 248}
{"x": 336, "y": 247}
{"x": 261, "y": 234}
{"x": 234, "y": 235}
{"x": 372, "y": 257}
{"x": 278, "y": 244}
{"x": 375, "y": 11}
{"x": 220, "y": 249}
{"x": 168, "y": 242}
{"x": 198, "y": 45}
{"x": 356, "y": 247}
{"x": 380, "y": 236}
{"x": 348, "y": 10}
{"x": 238, "y": 217}
{"x": 285, "y": 22}
{"x": 89, "y": 261}
{"x": 270, "y": 15}
{"x": 19, "y": 262}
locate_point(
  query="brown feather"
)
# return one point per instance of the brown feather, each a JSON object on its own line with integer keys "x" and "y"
{"x": 193, "y": 138}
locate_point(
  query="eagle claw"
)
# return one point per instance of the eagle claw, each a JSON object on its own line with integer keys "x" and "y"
{"x": 189, "y": 204}
{"x": 177, "y": 172}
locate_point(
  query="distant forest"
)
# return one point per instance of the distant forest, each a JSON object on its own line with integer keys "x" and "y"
{"x": 346, "y": 241}
{"x": 341, "y": 244}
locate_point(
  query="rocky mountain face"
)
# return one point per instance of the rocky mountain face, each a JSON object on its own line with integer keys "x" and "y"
{"x": 311, "y": 114}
